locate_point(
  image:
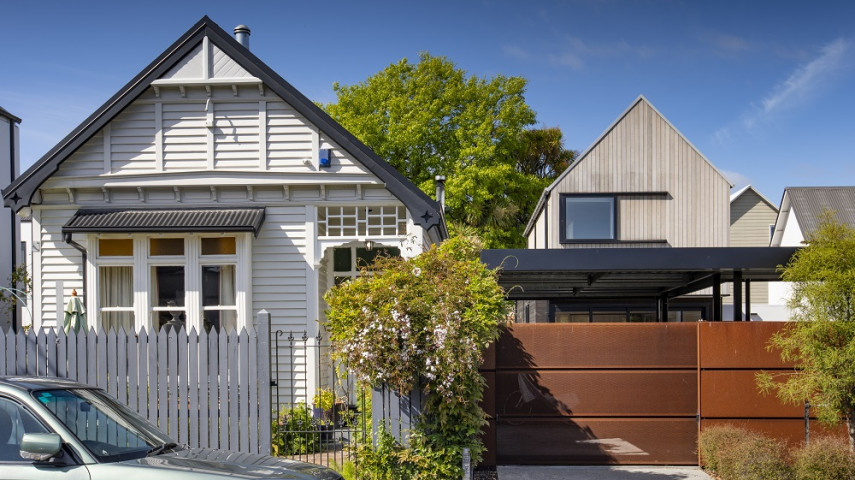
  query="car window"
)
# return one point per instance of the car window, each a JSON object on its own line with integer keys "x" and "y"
{"x": 15, "y": 421}
{"x": 108, "y": 430}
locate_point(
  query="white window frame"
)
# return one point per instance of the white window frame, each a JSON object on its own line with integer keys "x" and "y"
{"x": 192, "y": 261}
{"x": 111, "y": 261}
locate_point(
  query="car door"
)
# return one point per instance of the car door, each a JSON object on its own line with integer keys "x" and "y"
{"x": 15, "y": 421}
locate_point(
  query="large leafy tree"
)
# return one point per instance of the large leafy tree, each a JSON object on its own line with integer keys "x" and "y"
{"x": 431, "y": 118}
{"x": 821, "y": 341}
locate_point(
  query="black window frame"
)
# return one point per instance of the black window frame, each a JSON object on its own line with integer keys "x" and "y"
{"x": 562, "y": 212}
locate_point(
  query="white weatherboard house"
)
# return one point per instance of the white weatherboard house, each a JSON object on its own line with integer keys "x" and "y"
{"x": 801, "y": 212}
{"x": 206, "y": 190}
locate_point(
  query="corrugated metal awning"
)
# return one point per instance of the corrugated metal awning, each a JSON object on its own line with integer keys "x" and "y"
{"x": 166, "y": 220}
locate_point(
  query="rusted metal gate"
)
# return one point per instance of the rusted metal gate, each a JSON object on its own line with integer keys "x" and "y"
{"x": 630, "y": 393}
{"x": 594, "y": 394}
{"x": 731, "y": 354}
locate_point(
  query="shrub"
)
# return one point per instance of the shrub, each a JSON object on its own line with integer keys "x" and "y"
{"x": 734, "y": 453}
{"x": 825, "y": 458}
{"x": 711, "y": 442}
{"x": 423, "y": 323}
{"x": 295, "y": 432}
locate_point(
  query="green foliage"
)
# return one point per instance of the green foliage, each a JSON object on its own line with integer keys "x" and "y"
{"x": 431, "y": 118}
{"x": 427, "y": 319}
{"x": 821, "y": 341}
{"x": 295, "y": 432}
{"x": 19, "y": 286}
{"x": 713, "y": 440}
{"x": 736, "y": 454}
{"x": 324, "y": 399}
{"x": 825, "y": 458}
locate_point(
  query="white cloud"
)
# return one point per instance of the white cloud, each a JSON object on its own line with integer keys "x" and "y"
{"x": 805, "y": 82}
{"x": 573, "y": 52}
{"x": 802, "y": 83}
{"x": 737, "y": 179}
{"x": 516, "y": 51}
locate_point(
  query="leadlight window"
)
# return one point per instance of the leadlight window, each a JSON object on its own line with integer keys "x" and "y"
{"x": 362, "y": 221}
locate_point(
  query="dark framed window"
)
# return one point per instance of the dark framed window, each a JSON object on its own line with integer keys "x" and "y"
{"x": 588, "y": 218}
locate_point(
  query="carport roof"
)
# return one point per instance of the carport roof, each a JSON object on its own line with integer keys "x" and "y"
{"x": 629, "y": 272}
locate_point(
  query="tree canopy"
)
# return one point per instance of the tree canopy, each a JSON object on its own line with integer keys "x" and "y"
{"x": 431, "y": 118}
{"x": 821, "y": 340}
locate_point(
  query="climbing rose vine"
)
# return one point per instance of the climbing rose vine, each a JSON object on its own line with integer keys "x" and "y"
{"x": 424, "y": 323}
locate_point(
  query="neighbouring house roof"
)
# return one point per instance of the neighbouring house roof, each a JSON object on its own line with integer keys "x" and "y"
{"x": 426, "y": 212}
{"x": 5, "y": 113}
{"x": 742, "y": 191}
{"x": 629, "y": 272}
{"x": 541, "y": 203}
{"x": 166, "y": 220}
{"x": 811, "y": 202}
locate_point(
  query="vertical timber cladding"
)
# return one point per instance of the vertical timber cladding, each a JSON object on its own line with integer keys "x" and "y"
{"x": 596, "y": 394}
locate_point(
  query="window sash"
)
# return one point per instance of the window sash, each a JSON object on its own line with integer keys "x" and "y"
{"x": 588, "y": 218}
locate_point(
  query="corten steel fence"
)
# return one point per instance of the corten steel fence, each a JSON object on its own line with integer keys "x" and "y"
{"x": 320, "y": 414}
{"x": 204, "y": 389}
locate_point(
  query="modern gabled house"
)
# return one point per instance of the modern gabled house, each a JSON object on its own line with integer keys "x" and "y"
{"x": 205, "y": 190}
{"x": 752, "y": 218}
{"x": 640, "y": 186}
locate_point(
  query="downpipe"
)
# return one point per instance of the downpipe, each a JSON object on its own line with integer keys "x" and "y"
{"x": 80, "y": 248}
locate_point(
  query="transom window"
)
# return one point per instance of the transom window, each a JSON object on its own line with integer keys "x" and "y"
{"x": 587, "y": 217}
{"x": 362, "y": 221}
{"x": 348, "y": 261}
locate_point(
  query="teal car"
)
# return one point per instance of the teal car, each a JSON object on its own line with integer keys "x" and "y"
{"x": 52, "y": 428}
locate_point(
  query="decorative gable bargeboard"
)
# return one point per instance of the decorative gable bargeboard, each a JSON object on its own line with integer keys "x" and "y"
{"x": 204, "y": 138}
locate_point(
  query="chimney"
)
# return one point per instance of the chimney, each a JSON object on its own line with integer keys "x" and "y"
{"x": 242, "y": 35}
{"x": 440, "y": 190}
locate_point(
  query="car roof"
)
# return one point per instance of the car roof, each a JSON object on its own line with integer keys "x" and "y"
{"x": 31, "y": 383}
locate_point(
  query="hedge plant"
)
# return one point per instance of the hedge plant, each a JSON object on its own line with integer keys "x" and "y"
{"x": 423, "y": 323}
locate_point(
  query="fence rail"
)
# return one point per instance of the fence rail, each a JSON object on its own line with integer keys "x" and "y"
{"x": 204, "y": 389}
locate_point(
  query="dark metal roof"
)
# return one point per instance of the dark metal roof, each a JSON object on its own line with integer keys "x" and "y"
{"x": 425, "y": 211}
{"x": 629, "y": 272}
{"x": 810, "y": 202}
{"x": 5, "y": 113}
{"x": 166, "y": 220}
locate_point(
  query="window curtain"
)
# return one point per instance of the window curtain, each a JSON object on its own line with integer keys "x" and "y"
{"x": 117, "y": 290}
{"x": 227, "y": 285}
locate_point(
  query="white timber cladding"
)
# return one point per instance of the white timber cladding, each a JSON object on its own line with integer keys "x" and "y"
{"x": 672, "y": 195}
{"x": 208, "y": 134}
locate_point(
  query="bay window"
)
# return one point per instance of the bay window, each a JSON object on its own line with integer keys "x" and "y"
{"x": 159, "y": 281}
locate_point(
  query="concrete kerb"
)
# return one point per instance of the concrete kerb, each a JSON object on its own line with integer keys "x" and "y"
{"x": 601, "y": 473}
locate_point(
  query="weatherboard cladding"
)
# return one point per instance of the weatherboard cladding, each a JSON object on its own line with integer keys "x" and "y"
{"x": 19, "y": 193}
{"x": 809, "y": 203}
{"x": 167, "y": 220}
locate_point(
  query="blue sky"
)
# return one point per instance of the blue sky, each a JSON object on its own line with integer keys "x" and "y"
{"x": 763, "y": 89}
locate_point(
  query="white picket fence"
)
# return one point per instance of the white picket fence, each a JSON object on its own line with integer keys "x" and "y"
{"x": 206, "y": 390}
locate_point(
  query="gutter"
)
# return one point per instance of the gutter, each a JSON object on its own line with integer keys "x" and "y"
{"x": 80, "y": 248}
